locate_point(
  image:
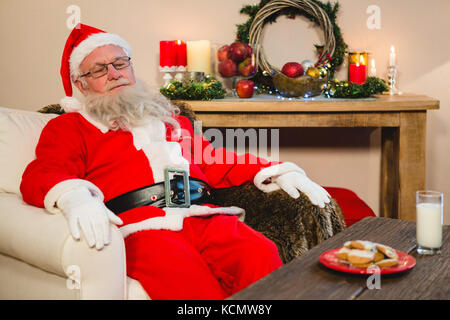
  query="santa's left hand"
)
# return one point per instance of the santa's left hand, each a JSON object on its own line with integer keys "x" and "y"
{"x": 291, "y": 182}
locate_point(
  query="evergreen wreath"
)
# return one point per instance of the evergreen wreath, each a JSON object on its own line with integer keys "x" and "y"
{"x": 291, "y": 8}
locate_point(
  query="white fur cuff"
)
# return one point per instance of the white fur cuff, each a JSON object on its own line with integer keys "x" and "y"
{"x": 168, "y": 222}
{"x": 196, "y": 210}
{"x": 173, "y": 220}
{"x": 65, "y": 186}
{"x": 273, "y": 172}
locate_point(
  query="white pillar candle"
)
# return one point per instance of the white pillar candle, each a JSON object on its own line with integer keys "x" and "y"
{"x": 429, "y": 225}
{"x": 392, "y": 57}
{"x": 199, "y": 56}
{"x": 373, "y": 70}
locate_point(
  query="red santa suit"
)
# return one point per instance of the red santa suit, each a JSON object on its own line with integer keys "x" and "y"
{"x": 201, "y": 252}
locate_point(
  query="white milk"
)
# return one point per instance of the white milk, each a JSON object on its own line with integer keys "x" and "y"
{"x": 429, "y": 225}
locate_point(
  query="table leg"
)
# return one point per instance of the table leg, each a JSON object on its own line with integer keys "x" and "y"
{"x": 389, "y": 181}
{"x": 402, "y": 165}
{"x": 412, "y": 140}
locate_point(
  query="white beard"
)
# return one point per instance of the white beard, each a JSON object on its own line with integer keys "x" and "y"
{"x": 130, "y": 106}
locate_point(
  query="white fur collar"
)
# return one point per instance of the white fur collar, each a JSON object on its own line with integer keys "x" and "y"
{"x": 154, "y": 130}
{"x": 100, "y": 126}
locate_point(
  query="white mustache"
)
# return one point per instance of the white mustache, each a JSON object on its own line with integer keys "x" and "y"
{"x": 112, "y": 84}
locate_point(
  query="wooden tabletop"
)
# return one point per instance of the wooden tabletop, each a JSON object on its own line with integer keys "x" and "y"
{"x": 305, "y": 278}
{"x": 267, "y": 103}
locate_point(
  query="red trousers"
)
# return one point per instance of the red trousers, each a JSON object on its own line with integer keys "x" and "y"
{"x": 211, "y": 258}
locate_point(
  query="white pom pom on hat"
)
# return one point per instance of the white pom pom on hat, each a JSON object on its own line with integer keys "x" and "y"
{"x": 81, "y": 42}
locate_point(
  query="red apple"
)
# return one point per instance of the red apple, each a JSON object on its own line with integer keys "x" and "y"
{"x": 227, "y": 68}
{"x": 245, "y": 88}
{"x": 292, "y": 69}
{"x": 237, "y": 51}
{"x": 222, "y": 52}
{"x": 249, "y": 50}
{"x": 246, "y": 68}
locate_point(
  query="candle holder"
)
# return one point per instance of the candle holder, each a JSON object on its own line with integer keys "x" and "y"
{"x": 180, "y": 73}
{"x": 357, "y": 67}
{"x": 392, "y": 80}
{"x": 189, "y": 77}
{"x": 167, "y": 73}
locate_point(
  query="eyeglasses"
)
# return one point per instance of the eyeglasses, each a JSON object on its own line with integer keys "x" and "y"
{"x": 100, "y": 69}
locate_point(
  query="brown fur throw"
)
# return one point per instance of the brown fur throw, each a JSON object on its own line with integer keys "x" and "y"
{"x": 294, "y": 225}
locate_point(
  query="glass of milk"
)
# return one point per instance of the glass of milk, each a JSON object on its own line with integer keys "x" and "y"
{"x": 429, "y": 210}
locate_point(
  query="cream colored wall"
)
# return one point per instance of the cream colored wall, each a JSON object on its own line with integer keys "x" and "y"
{"x": 33, "y": 34}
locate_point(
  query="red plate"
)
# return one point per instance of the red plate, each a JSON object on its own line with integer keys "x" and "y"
{"x": 329, "y": 259}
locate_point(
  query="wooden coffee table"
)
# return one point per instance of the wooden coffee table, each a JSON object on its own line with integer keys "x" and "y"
{"x": 305, "y": 278}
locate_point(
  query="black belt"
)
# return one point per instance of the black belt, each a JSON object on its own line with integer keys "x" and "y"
{"x": 181, "y": 191}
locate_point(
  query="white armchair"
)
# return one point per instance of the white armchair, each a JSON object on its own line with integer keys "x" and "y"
{"x": 38, "y": 257}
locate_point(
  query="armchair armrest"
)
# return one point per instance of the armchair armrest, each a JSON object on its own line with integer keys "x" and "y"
{"x": 43, "y": 240}
{"x": 294, "y": 225}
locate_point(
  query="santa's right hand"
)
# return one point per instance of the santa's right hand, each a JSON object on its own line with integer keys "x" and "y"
{"x": 89, "y": 213}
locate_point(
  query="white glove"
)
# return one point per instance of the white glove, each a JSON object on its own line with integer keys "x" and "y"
{"x": 291, "y": 182}
{"x": 82, "y": 209}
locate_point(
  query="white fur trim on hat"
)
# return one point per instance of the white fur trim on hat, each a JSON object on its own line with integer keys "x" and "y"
{"x": 65, "y": 186}
{"x": 89, "y": 44}
{"x": 70, "y": 104}
{"x": 273, "y": 172}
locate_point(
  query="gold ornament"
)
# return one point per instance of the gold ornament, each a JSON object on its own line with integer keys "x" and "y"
{"x": 322, "y": 72}
{"x": 171, "y": 87}
{"x": 313, "y": 72}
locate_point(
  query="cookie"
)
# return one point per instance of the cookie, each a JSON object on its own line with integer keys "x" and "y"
{"x": 387, "y": 251}
{"x": 362, "y": 265}
{"x": 342, "y": 253}
{"x": 378, "y": 256}
{"x": 362, "y": 245}
{"x": 347, "y": 244}
{"x": 387, "y": 263}
{"x": 356, "y": 256}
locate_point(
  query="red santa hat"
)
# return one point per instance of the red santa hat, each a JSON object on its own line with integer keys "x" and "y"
{"x": 81, "y": 42}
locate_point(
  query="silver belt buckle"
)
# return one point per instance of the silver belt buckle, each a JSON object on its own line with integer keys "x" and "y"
{"x": 167, "y": 189}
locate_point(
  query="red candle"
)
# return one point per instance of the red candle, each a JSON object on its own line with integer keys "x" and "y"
{"x": 181, "y": 53}
{"x": 357, "y": 73}
{"x": 167, "y": 53}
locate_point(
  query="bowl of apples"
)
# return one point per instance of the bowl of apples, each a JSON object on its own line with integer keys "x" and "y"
{"x": 236, "y": 61}
{"x": 295, "y": 81}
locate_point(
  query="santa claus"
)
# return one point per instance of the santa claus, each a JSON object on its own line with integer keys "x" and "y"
{"x": 125, "y": 156}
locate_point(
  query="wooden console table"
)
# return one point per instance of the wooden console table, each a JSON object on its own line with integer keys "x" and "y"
{"x": 402, "y": 119}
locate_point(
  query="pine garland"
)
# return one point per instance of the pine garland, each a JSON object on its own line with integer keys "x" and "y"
{"x": 351, "y": 90}
{"x": 207, "y": 89}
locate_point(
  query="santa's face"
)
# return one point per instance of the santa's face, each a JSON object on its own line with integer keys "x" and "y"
{"x": 113, "y": 80}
